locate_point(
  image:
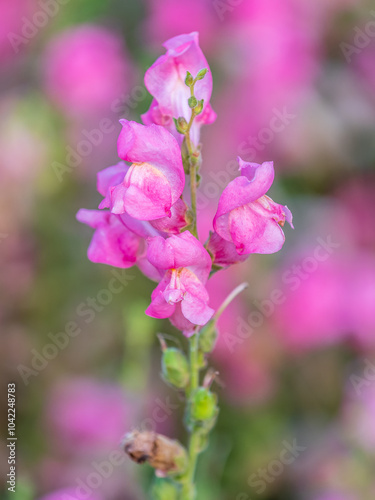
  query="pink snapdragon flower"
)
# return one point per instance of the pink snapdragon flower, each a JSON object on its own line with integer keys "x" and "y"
{"x": 120, "y": 240}
{"x": 110, "y": 177}
{"x": 246, "y": 216}
{"x": 155, "y": 180}
{"x": 113, "y": 243}
{"x": 86, "y": 68}
{"x": 181, "y": 295}
{"x": 165, "y": 80}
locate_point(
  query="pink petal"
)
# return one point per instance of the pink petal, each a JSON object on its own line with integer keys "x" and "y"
{"x": 175, "y": 222}
{"x": 156, "y": 146}
{"x": 182, "y": 250}
{"x": 253, "y": 232}
{"x": 196, "y": 310}
{"x": 112, "y": 242}
{"x": 109, "y": 177}
{"x": 254, "y": 182}
{"x": 145, "y": 193}
{"x": 224, "y": 252}
{"x": 159, "y": 307}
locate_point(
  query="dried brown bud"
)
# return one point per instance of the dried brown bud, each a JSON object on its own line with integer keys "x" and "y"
{"x": 164, "y": 454}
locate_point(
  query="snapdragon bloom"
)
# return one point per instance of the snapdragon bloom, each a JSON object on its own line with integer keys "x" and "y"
{"x": 154, "y": 181}
{"x": 181, "y": 295}
{"x": 120, "y": 240}
{"x": 165, "y": 80}
{"x": 246, "y": 216}
{"x": 113, "y": 243}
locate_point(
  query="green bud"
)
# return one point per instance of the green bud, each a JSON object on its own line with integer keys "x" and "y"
{"x": 201, "y": 74}
{"x": 175, "y": 367}
{"x": 189, "y": 80}
{"x": 164, "y": 489}
{"x": 203, "y": 404}
{"x": 181, "y": 124}
{"x": 192, "y": 101}
{"x": 207, "y": 337}
{"x": 199, "y": 107}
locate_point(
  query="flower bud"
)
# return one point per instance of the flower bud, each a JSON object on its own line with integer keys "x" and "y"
{"x": 201, "y": 74}
{"x": 189, "y": 80}
{"x": 164, "y": 489}
{"x": 199, "y": 107}
{"x": 192, "y": 101}
{"x": 203, "y": 404}
{"x": 208, "y": 336}
{"x": 181, "y": 124}
{"x": 175, "y": 367}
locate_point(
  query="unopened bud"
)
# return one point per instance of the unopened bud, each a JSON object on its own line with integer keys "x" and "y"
{"x": 164, "y": 489}
{"x": 201, "y": 74}
{"x": 166, "y": 455}
{"x": 203, "y": 404}
{"x": 192, "y": 101}
{"x": 189, "y": 80}
{"x": 208, "y": 336}
{"x": 175, "y": 367}
{"x": 181, "y": 124}
{"x": 199, "y": 107}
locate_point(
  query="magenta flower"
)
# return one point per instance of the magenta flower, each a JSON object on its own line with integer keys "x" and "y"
{"x": 181, "y": 295}
{"x": 113, "y": 243}
{"x": 249, "y": 218}
{"x": 223, "y": 252}
{"x": 155, "y": 180}
{"x": 165, "y": 80}
{"x": 111, "y": 177}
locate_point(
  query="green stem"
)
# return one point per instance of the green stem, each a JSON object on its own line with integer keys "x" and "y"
{"x": 188, "y": 489}
{"x": 193, "y": 191}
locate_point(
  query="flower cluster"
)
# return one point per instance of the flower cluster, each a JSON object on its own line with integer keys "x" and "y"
{"x": 143, "y": 219}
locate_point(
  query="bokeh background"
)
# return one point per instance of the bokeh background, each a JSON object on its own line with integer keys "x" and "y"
{"x": 293, "y": 82}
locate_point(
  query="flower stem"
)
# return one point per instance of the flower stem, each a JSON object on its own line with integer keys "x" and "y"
{"x": 240, "y": 288}
{"x": 193, "y": 191}
{"x": 188, "y": 489}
